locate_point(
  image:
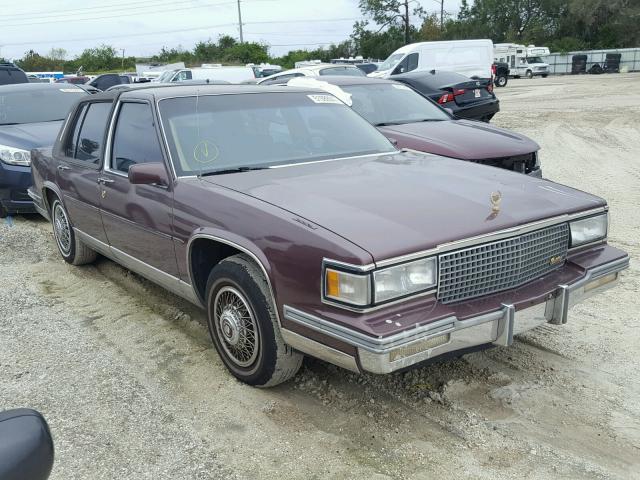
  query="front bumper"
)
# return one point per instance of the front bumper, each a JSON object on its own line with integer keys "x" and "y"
{"x": 14, "y": 181}
{"x": 410, "y": 347}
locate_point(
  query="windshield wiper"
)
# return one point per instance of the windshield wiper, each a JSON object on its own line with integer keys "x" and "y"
{"x": 386, "y": 124}
{"x": 10, "y": 123}
{"x": 232, "y": 170}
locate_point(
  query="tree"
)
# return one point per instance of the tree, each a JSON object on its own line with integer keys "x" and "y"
{"x": 388, "y": 13}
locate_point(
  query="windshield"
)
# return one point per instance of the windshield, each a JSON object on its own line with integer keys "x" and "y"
{"x": 38, "y": 104}
{"x": 222, "y": 132}
{"x": 391, "y": 62}
{"x": 166, "y": 76}
{"x": 534, "y": 60}
{"x": 390, "y": 103}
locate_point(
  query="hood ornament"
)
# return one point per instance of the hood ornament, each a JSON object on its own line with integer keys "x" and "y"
{"x": 496, "y": 199}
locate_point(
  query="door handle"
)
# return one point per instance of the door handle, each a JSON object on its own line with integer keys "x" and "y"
{"x": 104, "y": 181}
{"x": 63, "y": 167}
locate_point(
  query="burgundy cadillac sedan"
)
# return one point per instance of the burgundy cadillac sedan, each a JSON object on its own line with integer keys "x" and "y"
{"x": 414, "y": 122}
{"x": 302, "y": 230}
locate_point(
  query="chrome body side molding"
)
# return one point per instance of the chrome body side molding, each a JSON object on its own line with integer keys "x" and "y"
{"x": 169, "y": 282}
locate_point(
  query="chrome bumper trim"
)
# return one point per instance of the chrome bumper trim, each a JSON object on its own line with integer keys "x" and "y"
{"x": 403, "y": 349}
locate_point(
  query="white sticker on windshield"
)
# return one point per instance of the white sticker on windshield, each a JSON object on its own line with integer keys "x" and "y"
{"x": 401, "y": 87}
{"x": 71, "y": 90}
{"x": 324, "y": 99}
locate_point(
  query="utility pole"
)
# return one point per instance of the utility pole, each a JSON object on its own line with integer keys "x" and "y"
{"x": 122, "y": 58}
{"x": 240, "y": 22}
{"x": 441, "y": 15}
{"x": 406, "y": 22}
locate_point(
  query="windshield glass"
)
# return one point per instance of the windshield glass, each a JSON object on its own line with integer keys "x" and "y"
{"x": 221, "y": 132}
{"x": 390, "y": 103}
{"x": 391, "y": 62}
{"x": 38, "y": 104}
{"x": 534, "y": 60}
{"x": 166, "y": 76}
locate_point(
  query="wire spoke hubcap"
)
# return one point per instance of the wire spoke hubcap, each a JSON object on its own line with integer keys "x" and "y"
{"x": 61, "y": 229}
{"x": 235, "y": 326}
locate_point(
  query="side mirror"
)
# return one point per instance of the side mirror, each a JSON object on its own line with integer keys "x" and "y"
{"x": 152, "y": 173}
{"x": 26, "y": 446}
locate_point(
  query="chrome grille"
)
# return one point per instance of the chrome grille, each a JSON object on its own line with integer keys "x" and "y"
{"x": 501, "y": 265}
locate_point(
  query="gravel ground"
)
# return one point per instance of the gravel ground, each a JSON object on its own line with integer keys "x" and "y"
{"x": 126, "y": 376}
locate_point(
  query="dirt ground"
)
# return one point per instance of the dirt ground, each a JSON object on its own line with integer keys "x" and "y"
{"x": 132, "y": 388}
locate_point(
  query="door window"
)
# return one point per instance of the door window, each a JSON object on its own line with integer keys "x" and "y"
{"x": 88, "y": 133}
{"x": 183, "y": 75}
{"x": 409, "y": 63}
{"x": 135, "y": 140}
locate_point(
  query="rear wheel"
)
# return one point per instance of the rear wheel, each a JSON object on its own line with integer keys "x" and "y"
{"x": 72, "y": 249}
{"x": 501, "y": 81}
{"x": 243, "y": 325}
{"x": 529, "y": 74}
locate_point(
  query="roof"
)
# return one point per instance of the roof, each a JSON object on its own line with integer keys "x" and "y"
{"x": 343, "y": 80}
{"x": 23, "y": 87}
{"x": 159, "y": 91}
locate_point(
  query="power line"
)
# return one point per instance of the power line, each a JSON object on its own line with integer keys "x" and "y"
{"x": 125, "y": 14}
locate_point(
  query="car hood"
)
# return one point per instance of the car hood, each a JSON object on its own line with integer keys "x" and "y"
{"x": 463, "y": 139}
{"x": 400, "y": 203}
{"x": 30, "y": 135}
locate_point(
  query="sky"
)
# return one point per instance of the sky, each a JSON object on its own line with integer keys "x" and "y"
{"x": 142, "y": 27}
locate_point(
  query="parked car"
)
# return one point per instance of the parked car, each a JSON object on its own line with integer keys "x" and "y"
{"x": 30, "y": 117}
{"x": 10, "y": 74}
{"x": 312, "y": 70}
{"x": 500, "y": 74}
{"x": 76, "y": 80}
{"x": 104, "y": 81}
{"x": 466, "y": 98}
{"x": 412, "y": 121}
{"x": 26, "y": 446}
{"x": 472, "y": 58}
{"x": 232, "y": 74}
{"x": 302, "y": 230}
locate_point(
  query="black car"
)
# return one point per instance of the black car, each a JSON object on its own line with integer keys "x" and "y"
{"x": 500, "y": 74}
{"x": 30, "y": 117}
{"x": 10, "y": 74}
{"x": 464, "y": 96}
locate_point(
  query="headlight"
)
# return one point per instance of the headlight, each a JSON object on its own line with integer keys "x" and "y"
{"x": 404, "y": 279}
{"x": 15, "y": 156}
{"x": 588, "y": 230}
{"x": 347, "y": 287}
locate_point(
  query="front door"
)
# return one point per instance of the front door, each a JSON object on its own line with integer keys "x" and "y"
{"x": 138, "y": 219}
{"x": 80, "y": 158}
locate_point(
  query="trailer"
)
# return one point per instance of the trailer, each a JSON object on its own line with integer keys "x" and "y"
{"x": 524, "y": 61}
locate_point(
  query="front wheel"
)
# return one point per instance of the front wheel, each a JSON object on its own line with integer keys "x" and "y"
{"x": 501, "y": 81}
{"x": 71, "y": 248}
{"x": 529, "y": 74}
{"x": 243, "y": 325}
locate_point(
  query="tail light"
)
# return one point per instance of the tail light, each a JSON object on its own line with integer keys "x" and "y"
{"x": 490, "y": 88}
{"x": 449, "y": 97}
{"x": 494, "y": 69}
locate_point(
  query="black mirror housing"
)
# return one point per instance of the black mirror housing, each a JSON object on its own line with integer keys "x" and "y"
{"x": 26, "y": 446}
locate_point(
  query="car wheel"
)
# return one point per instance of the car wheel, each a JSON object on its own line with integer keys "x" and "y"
{"x": 501, "y": 81}
{"x": 529, "y": 74}
{"x": 544, "y": 75}
{"x": 73, "y": 251}
{"x": 244, "y": 327}
{"x": 3, "y": 211}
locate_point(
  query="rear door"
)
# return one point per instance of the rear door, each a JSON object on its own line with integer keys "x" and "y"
{"x": 138, "y": 219}
{"x": 79, "y": 160}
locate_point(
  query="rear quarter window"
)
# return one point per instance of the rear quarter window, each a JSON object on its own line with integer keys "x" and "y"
{"x": 86, "y": 138}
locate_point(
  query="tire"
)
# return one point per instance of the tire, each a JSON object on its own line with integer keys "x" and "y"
{"x": 501, "y": 81}
{"x": 3, "y": 211}
{"x": 529, "y": 74}
{"x": 73, "y": 251}
{"x": 544, "y": 75}
{"x": 247, "y": 337}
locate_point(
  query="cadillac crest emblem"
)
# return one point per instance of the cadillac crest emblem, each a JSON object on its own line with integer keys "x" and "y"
{"x": 496, "y": 199}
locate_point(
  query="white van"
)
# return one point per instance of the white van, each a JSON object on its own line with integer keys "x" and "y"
{"x": 210, "y": 72}
{"x": 471, "y": 58}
